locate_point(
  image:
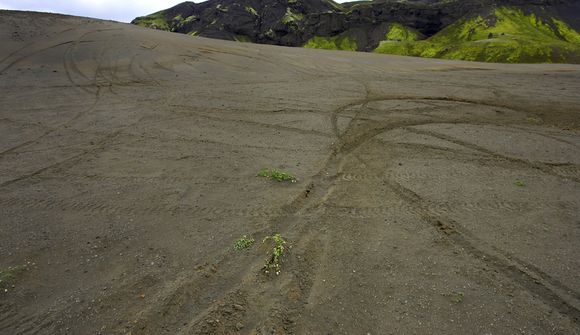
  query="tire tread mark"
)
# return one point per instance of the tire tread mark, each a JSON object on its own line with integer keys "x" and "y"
{"x": 550, "y": 290}
{"x": 546, "y": 168}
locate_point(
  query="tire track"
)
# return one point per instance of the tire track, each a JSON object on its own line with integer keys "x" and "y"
{"x": 103, "y": 207}
{"x": 249, "y": 122}
{"x": 21, "y": 58}
{"x": 549, "y": 290}
{"x": 441, "y": 208}
{"x": 28, "y": 45}
{"x": 545, "y": 135}
{"x": 443, "y": 176}
{"x": 68, "y": 65}
{"x": 341, "y": 177}
{"x": 99, "y": 146}
{"x": 370, "y": 98}
{"x": 545, "y": 168}
{"x": 52, "y": 130}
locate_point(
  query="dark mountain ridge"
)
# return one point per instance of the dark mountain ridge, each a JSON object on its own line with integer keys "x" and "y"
{"x": 360, "y": 25}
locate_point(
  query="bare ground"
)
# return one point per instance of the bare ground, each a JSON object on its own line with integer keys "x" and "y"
{"x": 434, "y": 197}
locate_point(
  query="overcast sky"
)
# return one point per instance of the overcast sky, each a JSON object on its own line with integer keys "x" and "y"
{"x": 118, "y": 10}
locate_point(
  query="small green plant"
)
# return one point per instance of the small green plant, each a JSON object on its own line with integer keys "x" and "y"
{"x": 277, "y": 174}
{"x": 8, "y": 275}
{"x": 520, "y": 183}
{"x": 457, "y": 297}
{"x": 273, "y": 264}
{"x": 243, "y": 243}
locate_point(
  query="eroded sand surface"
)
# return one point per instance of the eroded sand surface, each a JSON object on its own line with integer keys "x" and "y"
{"x": 434, "y": 197}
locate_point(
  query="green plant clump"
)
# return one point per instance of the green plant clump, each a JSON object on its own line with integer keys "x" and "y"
{"x": 243, "y": 243}
{"x": 273, "y": 264}
{"x": 457, "y": 297}
{"x": 338, "y": 42}
{"x": 520, "y": 183}
{"x": 277, "y": 175}
{"x": 507, "y": 36}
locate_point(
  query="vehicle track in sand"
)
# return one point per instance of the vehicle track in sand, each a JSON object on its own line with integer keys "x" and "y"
{"x": 550, "y": 290}
{"x": 295, "y": 286}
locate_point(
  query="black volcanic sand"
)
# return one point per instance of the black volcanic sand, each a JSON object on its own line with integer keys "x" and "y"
{"x": 434, "y": 197}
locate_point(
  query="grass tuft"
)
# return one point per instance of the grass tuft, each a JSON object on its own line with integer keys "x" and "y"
{"x": 277, "y": 175}
{"x": 243, "y": 243}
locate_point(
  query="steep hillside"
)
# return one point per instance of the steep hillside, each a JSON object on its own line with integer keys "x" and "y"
{"x": 485, "y": 30}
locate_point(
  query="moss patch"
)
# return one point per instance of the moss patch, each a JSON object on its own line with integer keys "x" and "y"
{"x": 507, "y": 36}
{"x": 221, "y": 8}
{"x": 292, "y": 16}
{"x": 242, "y": 38}
{"x": 251, "y": 10}
{"x": 338, "y": 42}
{"x": 154, "y": 21}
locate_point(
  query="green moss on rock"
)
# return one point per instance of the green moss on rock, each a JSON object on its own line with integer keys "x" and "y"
{"x": 222, "y": 8}
{"x": 242, "y": 38}
{"x": 398, "y": 32}
{"x": 291, "y": 16}
{"x": 338, "y": 42}
{"x": 251, "y": 10}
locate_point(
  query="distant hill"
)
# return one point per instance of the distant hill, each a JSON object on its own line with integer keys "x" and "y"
{"x": 512, "y": 31}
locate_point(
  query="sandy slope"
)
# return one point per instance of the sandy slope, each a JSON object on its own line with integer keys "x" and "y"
{"x": 128, "y": 161}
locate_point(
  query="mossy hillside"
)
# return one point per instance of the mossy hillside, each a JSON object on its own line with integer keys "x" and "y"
{"x": 160, "y": 21}
{"x": 154, "y": 21}
{"x": 338, "y": 42}
{"x": 508, "y": 36}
